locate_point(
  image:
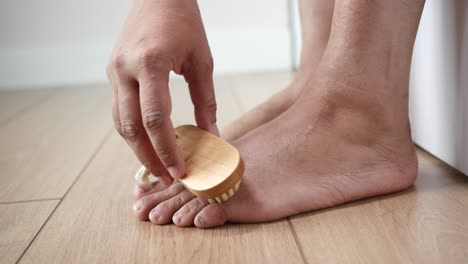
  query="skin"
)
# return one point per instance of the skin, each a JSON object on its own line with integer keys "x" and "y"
{"x": 160, "y": 36}
{"x": 316, "y": 18}
{"x": 346, "y": 137}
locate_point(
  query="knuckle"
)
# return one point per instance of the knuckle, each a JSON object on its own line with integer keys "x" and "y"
{"x": 194, "y": 205}
{"x": 176, "y": 189}
{"x": 165, "y": 153}
{"x": 211, "y": 105}
{"x": 210, "y": 64}
{"x": 118, "y": 128}
{"x": 116, "y": 63}
{"x": 129, "y": 130}
{"x": 208, "y": 109}
{"x": 178, "y": 200}
{"x": 153, "y": 119}
{"x": 206, "y": 65}
{"x": 149, "y": 201}
{"x": 204, "y": 68}
{"x": 179, "y": 188}
{"x": 153, "y": 59}
{"x": 163, "y": 207}
{"x": 145, "y": 200}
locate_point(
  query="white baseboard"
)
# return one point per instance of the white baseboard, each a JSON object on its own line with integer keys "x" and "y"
{"x": 234, "y": 52}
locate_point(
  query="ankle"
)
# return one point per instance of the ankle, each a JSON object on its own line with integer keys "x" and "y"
{"x": 356, "y": 106}
{"x": 368, "y": 124}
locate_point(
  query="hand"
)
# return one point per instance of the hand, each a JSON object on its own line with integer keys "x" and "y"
{"x": 160, "y": 36}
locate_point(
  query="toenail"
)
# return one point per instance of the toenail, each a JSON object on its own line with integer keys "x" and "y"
{"x": 154, "y": 215}
{"x": 177, "y": 217}
{"x": 200, "y": 221}
{"x": 137, "y": 206}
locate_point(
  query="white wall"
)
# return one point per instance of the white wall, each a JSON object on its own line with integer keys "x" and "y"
{"x": 56, "y": 42}
{"x": 439, "y": 82}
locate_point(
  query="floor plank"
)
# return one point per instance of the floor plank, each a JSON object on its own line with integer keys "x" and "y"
{"x": 101, "y": 227}
{"x": 95, "y": 224}
{"x": 16, "y": 102}
{"x": 44, "y": 150}
{"x": 253, "y": 89}
{"x": 425, "y": 224}
{"x": 19, "y": 223}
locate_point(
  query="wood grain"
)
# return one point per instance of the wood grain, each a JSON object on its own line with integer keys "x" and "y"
{"x": 95, "y": 224}
{"x": 19, "y": 223}
{"x": 44, "y": 150}
{"x": 213, "y": 166}
{"x": 425, "y": 224}
{"x": 13, "y": 103}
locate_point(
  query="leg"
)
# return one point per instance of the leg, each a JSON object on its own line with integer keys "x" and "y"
{"x": 347, "y": 137}
{"x": 316, "y": 17}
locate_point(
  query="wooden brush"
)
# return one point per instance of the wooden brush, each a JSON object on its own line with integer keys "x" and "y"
{"x": 213, "y": 167}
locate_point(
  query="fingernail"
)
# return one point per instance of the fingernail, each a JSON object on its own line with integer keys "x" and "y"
{"x": 174, "y": 172}
{"x": 166, "y": 179}
{"x": 137, "y": 206}
{"x": 200, "y": 221}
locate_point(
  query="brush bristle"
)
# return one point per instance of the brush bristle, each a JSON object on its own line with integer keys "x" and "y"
{"x": 225, "y": 196}
{"x": 143, "y": 176}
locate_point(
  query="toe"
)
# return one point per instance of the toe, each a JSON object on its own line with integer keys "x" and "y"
{"x": 163, "y": 212}
{"x": 211, "y": 216}
{"x": 186, "y": 214}
{"x": 141, "y": 190}
{"x": 145, "y": 204}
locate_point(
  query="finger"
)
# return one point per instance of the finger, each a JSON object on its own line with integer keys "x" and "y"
{"x": 115, "y": 101}
{"x": 132, "y": 130}
{"x": 200, "y": 80}
{"x": 155, "y": 110}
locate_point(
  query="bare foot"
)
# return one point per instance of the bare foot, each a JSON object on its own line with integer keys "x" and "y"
{"x": 266, "y": 111}
{"x": 333, "y": 146}
{"x": 346, "y": 137}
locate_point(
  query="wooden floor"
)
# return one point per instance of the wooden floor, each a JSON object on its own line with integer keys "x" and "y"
{"x": 66, "y": 180}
